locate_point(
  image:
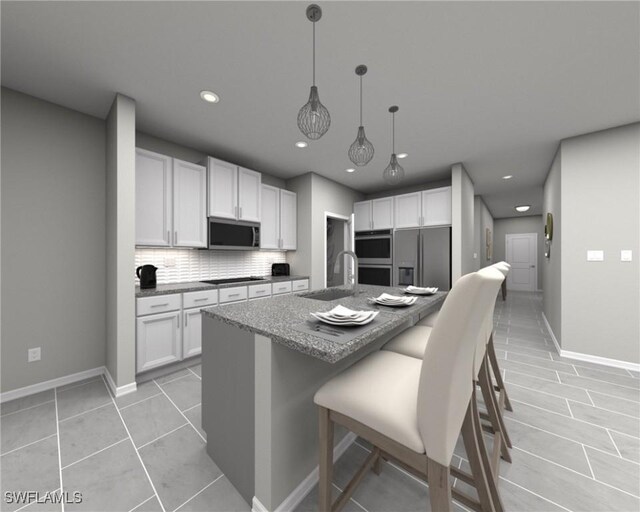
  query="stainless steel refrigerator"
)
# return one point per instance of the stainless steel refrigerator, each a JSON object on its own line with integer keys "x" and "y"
{"x": 422, "y": 257}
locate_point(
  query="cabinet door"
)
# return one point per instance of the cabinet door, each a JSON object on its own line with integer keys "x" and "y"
{"x": 362, "y": 216}
{"x": 189, "y": 204}
{"x": 270, "y": 218}
{"x": 191, "y": 333}
{"x": 408, "y": 210}
{"x": 288, "y": 220}
{"x": 222, "y": 189}
{"x": 158, "y": 340}
{"x": 382, "y": 213}
{"x": 249, "y": 189}
{"x": 153, "y": 199}
{"x": 436, "y": 207}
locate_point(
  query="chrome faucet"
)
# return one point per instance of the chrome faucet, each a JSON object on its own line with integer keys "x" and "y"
{"x": 336, "y": 268}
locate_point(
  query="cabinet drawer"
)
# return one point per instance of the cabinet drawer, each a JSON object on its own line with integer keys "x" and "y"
{"x": 234, "y": 294}
{"x": 260, "y": 290}
{"x": 158, "y": 304}
{"x": 299, "y": 285}
{"x": 199, "y": 299}
{"x": 284, "y": 287}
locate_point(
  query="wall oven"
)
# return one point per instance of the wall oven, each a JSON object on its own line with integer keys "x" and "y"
{"x": 379, "y": 275}
{"x": 233, "y": 235}
{"x": 374, "y": 247}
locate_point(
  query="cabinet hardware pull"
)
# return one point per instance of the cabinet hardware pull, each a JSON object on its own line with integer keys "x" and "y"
{"x": 169, "y": 237}
{"x": 234, "y": 295}
{"x": 159, "y": 305}
{"x": 200, "y": 300}
{"x": 186, "y": 320}
{"x": 175, "y": 239}
{"x": 178, "y": 321}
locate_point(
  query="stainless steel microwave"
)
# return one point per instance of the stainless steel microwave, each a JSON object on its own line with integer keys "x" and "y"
{"x": 234, "y": 235}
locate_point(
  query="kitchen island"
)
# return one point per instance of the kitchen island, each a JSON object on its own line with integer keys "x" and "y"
{"x": 262, "y": 362}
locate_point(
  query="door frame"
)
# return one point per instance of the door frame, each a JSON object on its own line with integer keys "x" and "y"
{"x": 534, "y": 236}
{"x": 348, "y": 240}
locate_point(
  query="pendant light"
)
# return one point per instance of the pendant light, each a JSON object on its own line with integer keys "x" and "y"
{"x": 394, "y": 172}
{"x": 361, "y": 151}
{"x": 314, "y": 118}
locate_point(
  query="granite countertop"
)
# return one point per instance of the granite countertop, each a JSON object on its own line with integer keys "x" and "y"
{"x": 196, "y": 286}
{"x": 277, "y": 317}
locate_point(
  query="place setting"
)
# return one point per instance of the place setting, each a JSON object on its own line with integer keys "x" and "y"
{"x": 386, "y": 299}
{"x": 339, "y": 324}
{"x": 418, "y": 290}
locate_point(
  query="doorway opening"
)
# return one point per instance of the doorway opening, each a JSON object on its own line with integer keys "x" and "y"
{"x": 522, "y": 255}
{"x": 338, "y": 237}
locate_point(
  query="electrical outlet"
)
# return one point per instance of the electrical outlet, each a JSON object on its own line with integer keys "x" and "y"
{"x": 33, "y": 354}
{"x": 169, "y": 262}
{"x": 626, "y": 255}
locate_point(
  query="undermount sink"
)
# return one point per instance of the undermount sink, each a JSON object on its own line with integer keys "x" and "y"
{"x": 328, "y": 295}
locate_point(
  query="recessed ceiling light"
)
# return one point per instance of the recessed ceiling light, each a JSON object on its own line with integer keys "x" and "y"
{"x": 507, "y": 177}
{"x": 209, "y": 96}
{"x": 403, "y": 155}
{"x": 523, "y": 208}
{"x": 301, "y": 144}
{"x": 350, "y": 170}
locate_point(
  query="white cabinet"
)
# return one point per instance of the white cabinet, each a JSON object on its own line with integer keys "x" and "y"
{"x": 234, "y": 192}
{"x": 281, "y": 287}
{"x": 374, "y": 214}
{"x": 158, "y": 340}
{"x": 233, "y": 294}
{"x": 299, "y": 285}
{"x": 278, "y": 226}
{"x": 191, "y": 332}
{"x": 408, "y": 210}
{"x": 153, "y": 199}
{"x": 189, "y": 204}
{"x": 260, "y": 291}
{"x": 436, "y": 207}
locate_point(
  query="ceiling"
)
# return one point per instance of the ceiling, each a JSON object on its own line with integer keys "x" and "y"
{"x": 495, "y": 85}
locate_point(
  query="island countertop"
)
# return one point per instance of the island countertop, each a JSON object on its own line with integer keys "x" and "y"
{"x": 277, "y": 317}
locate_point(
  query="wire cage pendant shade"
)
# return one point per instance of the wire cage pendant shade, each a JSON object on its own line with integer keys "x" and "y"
{"x": 394, "y": 173}
{"x": 314, "y": 118}
{"x": 361, "y": 151}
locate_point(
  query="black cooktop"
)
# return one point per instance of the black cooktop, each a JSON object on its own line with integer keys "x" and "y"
{"x": 233, "y": 280}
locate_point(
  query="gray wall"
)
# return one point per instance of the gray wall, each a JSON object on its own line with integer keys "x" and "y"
{"x": 516, "y": 225}
{"x": 300, "y": 259}
{"x": 482, "y": 219}
{"x": 551, "y": 267}
{"x": 462, "y": 225}
{"x": 407, "y": 190}
{"x": 53, "y": 240}
{"x": 601, "y": 210}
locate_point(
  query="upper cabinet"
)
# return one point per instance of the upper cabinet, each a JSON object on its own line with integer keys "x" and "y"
{"x": 234, "y": 192}
{"x": 408, "y": 210}
{"x": 278, "y": 227}
{"x": 436, "y": 207}
{"x": 170, "y": 202}
{"x": 373, "y": 215}
{"x": 362, "y": 216}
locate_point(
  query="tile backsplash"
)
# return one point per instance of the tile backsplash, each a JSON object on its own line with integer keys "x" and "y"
{"x": 184, "y": 265}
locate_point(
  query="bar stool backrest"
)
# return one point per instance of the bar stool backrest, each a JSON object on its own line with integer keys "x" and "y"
{"x": 496, "y": 278}
{"x": 446, "y": 378}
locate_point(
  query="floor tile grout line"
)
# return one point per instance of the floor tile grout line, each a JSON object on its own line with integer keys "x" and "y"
{"x": 593, "y": 403}
{"x": 535, "y": 365}
{"x": 193, "y": 407}
{"x": 199, "y": 492}
{"x": 161, "y": 436}
{"x": 95, "y": 453}
{"x": 183, "y": 415}
{"x": 569, "y": 407}
{"x": 608, "y": 382}
{"x": 172, "y": 380}
{"x": 198, "y": 376}
{"x": 584, "y": 450}
{"x": 26, "y": 445}
{"x": 140, "y": 401}
{"x": 85, "y": 412}
{"x": 145, "y": 501}
{"x": 37, "y": 501}
{"x": 615, "y": 445}
{"x": 26, "y": 408}
{"x": 137, "y": 453}
{"x": 78, "y": 384}
{"x": 55, "y": 398}
{"x": 535, "y": 494}
{"x": 350, "y": 499}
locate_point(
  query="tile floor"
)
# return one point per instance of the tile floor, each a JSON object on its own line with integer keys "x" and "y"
{"x": 575, "y": 430}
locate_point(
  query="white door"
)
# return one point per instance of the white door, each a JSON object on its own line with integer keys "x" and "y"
{"x": 223, "y": 189}
{"x": 191, "y": 332}
{"x": 158, "y": 340}
{"x": 189, "y": 204}
{"x": 249, "y": 190}
{"x": 408, "y": 210}
{"x": 382, "y": 213}
{"x": 288, "y": 220}
{"x": 153, "y": 199}
{"x": 436, "y": 207}
{"x": 522, "y": 255}
{"x": 362, "y": 212}
{"x": 270, "y": 218}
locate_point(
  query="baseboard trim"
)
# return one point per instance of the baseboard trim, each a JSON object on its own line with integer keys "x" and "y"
{"x": 118, "y": 391}
{"x": 50, "y": 384}
{"x": 305, "y": 487}
{"x": 579, "y": 356}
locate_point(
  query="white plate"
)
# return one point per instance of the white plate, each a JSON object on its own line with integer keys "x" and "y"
{"x": 342, "y": 312}
{"x": 394, "y": 303}
{"x": 416, "y": 290}
{"x": 328, "y": 320}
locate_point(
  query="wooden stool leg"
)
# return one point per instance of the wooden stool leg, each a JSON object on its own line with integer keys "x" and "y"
{"x": 439, "y": 486}
{"x": 491, "y": 351}
{"x": 495, "y": 416}
{"x": 377, "y": 465}
{"x": 326, "y": 461}
{"x": 504, "y": 290}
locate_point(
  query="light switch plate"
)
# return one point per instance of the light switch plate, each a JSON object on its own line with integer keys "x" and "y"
{"x": 626, "y": 255}
{"x": 595, "y": 255}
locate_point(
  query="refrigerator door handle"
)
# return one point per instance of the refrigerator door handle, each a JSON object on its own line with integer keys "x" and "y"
{"x": 419, "y": 262}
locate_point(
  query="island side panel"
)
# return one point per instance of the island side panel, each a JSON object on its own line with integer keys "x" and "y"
{"x": 228, "y": 397}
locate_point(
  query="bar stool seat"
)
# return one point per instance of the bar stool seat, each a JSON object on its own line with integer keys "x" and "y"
{"x": 412, "y": 342}
{"x": 381, "y": 391}
{"x": 430, "y": 320}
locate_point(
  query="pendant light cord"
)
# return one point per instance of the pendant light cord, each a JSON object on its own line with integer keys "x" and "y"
{"x": 393, "y": 132}
{"x": 314, "y": 53}
{"x": 360, "y": 100}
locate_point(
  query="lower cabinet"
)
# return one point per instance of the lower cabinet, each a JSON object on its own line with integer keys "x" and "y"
{"x": 158, "y": 340}
{"x": 191, "y": 332}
